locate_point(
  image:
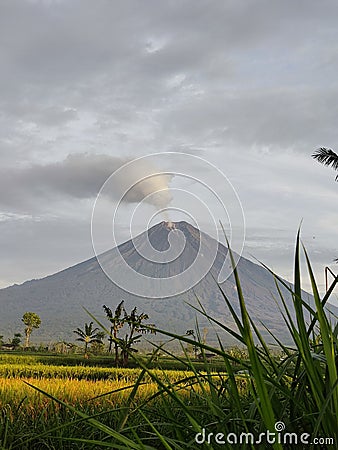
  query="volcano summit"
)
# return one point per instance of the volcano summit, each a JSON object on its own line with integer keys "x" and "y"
{"x": 59, "y": 298}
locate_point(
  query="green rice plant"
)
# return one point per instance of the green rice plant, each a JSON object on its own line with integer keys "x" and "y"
{"x": 76, "y": 372}
{"x": 17, "y": 359}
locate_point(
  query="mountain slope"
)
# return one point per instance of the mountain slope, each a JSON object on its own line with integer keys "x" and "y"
{"x": 59, "y": 298}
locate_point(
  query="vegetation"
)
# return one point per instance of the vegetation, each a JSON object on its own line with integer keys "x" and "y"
{"x": 134, "y": 322}
{"x": 20, "y": 366}
{"x": 257, "y": 392}
{"x": 89, "y": 335}
{"x": 327, "y": 157}
{"x": 16, "y": 341}
{"x": 117, "y": 323}
{"x": 31, "y": 320}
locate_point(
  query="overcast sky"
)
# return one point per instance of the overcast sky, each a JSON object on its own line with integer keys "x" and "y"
{"x": 250, "y": 86}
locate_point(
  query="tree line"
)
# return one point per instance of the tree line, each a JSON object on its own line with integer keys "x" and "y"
{"x": 125, "y": 331}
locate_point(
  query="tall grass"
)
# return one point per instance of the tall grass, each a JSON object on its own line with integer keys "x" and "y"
{"x": 255, "y": 394}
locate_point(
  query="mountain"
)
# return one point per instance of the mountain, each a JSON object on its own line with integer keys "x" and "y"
{"x": 59, "y": 298}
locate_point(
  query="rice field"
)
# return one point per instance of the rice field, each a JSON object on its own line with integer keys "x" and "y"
{"x": 75, "y": 392}
{"x": 75, "y": 385}
{"x": 111, "y": 393}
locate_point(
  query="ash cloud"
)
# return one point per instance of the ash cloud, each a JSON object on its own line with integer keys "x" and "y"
{"x": 142, "y": 181}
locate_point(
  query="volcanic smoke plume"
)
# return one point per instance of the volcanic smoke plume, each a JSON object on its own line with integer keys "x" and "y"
{"x": 143, "y": 181}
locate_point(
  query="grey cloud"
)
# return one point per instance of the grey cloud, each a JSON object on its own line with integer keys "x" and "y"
{"x": 54, "y": 115}
{"x": 32, "y": 186}
{"x": 52, "y": 236}
{"x": 115, "y": 62}
{"x": 81, "y": 176}
{"x": 73, "y": 41}
{"x": 299, "y": 118}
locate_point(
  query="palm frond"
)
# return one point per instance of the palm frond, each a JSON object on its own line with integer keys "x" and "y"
{"x": 327, "y": 157}
{"x": 79, "y": 332}
{"x": 97, "y": 340}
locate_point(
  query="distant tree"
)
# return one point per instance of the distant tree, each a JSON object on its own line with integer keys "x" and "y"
{"x": 117, "y": 322}
{"x": 195, "y": 347}
{"x": 31, "y": 320}
{"x": 101, "y": 335}
{"x": 89, "y": 335}
{"x": 135, "y": 323}
{"x": 98, "y": 347}
{"x": 205, "y": 334}
{"x": 42, "y": 348}
{"x": 63, "y": 347}
{"x": 1, "y": 340}
{"x": 16, "y": 341}
{"x": 327, "y": 157}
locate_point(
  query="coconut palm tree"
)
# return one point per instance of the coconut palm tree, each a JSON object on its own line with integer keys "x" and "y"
{"x": 88, "y": 336}
{"x": 327, "y": 157}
